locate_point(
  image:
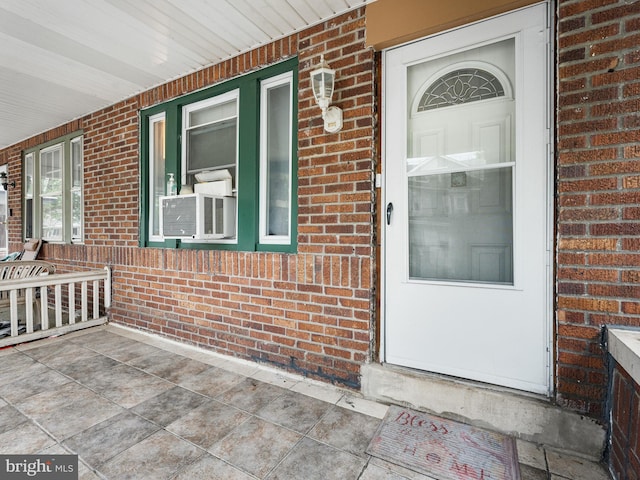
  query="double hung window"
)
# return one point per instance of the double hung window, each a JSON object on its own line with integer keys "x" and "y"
{"x": 240, "y": 133}
{"x": 53, "y": 191}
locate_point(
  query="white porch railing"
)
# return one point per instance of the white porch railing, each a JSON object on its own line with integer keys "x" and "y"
{"x": 29, "y": 309}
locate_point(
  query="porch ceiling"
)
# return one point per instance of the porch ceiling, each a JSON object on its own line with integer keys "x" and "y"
{"x": 60, "y": 60}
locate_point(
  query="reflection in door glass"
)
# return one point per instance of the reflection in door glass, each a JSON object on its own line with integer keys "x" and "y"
{"x": 460, "y": 226}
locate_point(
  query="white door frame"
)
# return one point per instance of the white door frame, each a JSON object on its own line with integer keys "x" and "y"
{"x": 549, "y": 286}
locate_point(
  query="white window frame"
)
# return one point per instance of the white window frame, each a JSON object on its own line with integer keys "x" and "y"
{"x": 29, "y": 159}
{"x": 59, "y": 237}
{"x": 34, "y": 157}
{"x": 160, "y": 117}
{"x": 72, "y": 189}
{"x": 210, "y": 102}
{"x": 265, "y": 85}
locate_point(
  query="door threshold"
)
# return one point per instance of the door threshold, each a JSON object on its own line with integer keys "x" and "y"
{"x": 527, "y": 416}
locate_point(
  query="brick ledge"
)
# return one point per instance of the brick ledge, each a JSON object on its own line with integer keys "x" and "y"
{"x": 624, "y": 347}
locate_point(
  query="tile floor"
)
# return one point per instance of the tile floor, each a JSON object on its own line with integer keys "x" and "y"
{"x": 133, "y": 406}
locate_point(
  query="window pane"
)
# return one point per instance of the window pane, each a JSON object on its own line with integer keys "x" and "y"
{"x": 28, "y": 218}
{"x": 157, "y": 182}
{"x": 51, "y": 171}
{"x": 28, "y": 175}
{"x": 51, "y": 193}
{"x": 277, "y": 160}
{"x": 76, "y": 190}
{"x": 76, "y": 227}
{"x": 76, "y": 162}
{"x": 212, "y": 114}
{"x": 212, "y": 146}
{"x": 460, "y": 226}
{"x": 28, "y": 195}
{"x": 211, "y": 137}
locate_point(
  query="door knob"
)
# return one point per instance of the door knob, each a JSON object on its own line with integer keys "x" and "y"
{"x": 389, "y": 210}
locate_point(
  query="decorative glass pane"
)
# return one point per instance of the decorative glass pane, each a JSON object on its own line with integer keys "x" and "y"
{"x": 461, "y": 86}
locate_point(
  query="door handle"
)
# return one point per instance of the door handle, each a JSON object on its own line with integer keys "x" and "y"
{"x": 389, "y": 210}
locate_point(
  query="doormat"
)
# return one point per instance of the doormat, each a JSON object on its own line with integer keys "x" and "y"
{"x": 444, "y": 449}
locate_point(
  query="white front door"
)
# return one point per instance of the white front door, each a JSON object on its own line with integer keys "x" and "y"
{"x": 466, "y": 242}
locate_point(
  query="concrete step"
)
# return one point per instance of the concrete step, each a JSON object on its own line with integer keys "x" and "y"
{"x": 528, "y": 417}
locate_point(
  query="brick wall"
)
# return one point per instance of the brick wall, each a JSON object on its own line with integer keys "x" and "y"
{"x": 308, "y": 312}
{"x": 598, "y": 189}
{"x": 624, "y": 454}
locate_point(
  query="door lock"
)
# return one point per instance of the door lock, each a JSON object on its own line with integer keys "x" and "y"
{"x": 389, "y": 210}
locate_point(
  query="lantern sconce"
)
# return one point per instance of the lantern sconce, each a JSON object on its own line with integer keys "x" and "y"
{"x": 322, "y": 82}
{"x": 4, "y": 181}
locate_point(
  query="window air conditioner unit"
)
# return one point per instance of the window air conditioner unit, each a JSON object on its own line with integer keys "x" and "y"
{"x": 198, "y": 215}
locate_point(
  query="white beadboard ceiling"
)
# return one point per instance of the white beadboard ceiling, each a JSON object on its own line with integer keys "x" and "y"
{"x": 62, "y": 59}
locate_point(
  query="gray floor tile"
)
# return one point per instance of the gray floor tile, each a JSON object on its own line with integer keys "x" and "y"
{"x": 32, "y": 384}
{"x": 128, "y": 352}
{"x": 78, "y": 415}
{"x": 107, "y": 439}
{"x": 207, "y": 424}
{"x": 85, "y": 473}
{"x": 154, "y": 359}
{"x": 63, "y": 353}
{"x": 19, "y": 368}
{"x": 212, "y": 382}
{"x": 171, "y": 367}
{"x": 251, "y": 395}
{"x": 375, "y": 472}
{"x": 14, "y": 362}
{"x": 256, "y": 446}
{"x": 25, "y": 439}
{"x": 58, "y": 351}
{"x": 126, "y": 385}
{"x": 346, "y": 430}
{"x": 160, "y": 456}
{"x": 295, "y": 411}
{"x": 169, "y": 406}
{"x": 10, "y": 418}
{"x": 531, "y": 454}
{"x": 575, "y": 468}
{"x": 103, "y": 341}
{"x": 85, "y": 369}
{"x": 530, "y": 473}
{"x": 211, "y": 468}
{"x": 53, "y": 399}
{"x": 311, "y": 460}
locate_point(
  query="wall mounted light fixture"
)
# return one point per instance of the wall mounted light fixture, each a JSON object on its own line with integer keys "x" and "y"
{"x": 322, "y": 82}
{"x": 4, "y": 181}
